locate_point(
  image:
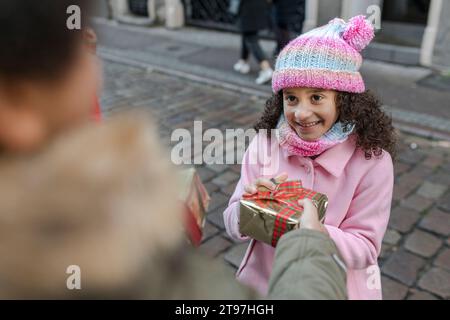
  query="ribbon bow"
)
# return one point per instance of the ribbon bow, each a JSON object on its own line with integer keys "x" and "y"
{"x": 284, "y": 201}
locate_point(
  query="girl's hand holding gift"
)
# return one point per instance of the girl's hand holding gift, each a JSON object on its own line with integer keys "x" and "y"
{"x": 271, "y": 184}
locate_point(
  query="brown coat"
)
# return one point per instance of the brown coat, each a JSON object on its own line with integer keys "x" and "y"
{"x": 100, "y": 198}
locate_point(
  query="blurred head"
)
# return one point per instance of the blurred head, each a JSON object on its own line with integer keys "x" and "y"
{"x": 48, "y": 77}
{"x": 101, "y": 198}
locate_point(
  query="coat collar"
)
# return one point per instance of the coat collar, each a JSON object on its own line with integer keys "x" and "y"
{"x": 334, "y": 159}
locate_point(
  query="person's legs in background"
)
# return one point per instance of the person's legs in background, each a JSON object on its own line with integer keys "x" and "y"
{"x": 283, "y": 36}
{"x": 288, "y": 18}
{"x": 242, "y": 65}
{"x": 279, "y": 28}
{"x": 252, "y": 44}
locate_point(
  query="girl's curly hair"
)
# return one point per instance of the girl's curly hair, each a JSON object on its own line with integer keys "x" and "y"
{"x": 373, "y": 128}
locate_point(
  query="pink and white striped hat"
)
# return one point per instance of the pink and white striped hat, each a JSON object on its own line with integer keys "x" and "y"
{"x": 327, "y": 57}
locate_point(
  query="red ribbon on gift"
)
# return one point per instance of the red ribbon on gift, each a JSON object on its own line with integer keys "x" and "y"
{"x": 286, "y": 197}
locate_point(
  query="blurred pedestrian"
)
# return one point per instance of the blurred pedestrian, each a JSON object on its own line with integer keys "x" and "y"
{"x": 288, "y": 17}
{"x": 253, "y": 16}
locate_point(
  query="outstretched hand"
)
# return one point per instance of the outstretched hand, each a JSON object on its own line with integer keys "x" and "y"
{"x": 310, "y": 217}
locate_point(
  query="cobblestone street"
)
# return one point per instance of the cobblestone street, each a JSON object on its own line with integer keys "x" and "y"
{"x": 415, "y": 260}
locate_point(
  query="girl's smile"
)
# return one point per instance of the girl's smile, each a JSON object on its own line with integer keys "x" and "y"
{"x": 311, "y": 112}
{"x": 307, "y": 128}
{"x": 310, "y": 124}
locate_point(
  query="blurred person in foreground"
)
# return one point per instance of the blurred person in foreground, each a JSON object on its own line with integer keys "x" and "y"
{"x": 99, "y": 196}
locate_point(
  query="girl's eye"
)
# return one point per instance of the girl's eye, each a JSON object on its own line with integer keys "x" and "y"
{"x": 316, "y": 98}
{"x": 292, "y": 100}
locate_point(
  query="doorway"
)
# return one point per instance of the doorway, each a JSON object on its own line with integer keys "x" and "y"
{"x": 403, "y": 22}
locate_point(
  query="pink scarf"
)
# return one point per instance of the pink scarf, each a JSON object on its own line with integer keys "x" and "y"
{"x": 294, "y": 145}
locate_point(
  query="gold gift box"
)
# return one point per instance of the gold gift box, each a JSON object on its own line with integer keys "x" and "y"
{"x": 269, "y": 214}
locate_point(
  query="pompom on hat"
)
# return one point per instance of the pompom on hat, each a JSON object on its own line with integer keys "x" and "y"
{"x": 327, "y": 57}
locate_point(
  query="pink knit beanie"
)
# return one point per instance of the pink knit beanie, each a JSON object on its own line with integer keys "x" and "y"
{"x": 327, "y": 57}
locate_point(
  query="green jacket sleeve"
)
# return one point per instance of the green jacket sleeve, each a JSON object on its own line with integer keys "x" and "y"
{"x": 307, "y": 266}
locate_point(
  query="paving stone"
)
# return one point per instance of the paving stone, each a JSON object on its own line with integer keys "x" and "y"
{"x": 441, "y": 177}
{"x": 209, "y": 231}
{"x": 436, "y": 221}
{"x": 228, "y": 267}
{"x": 417, "y": 203}
{"x": 235, "y": 255}
{"x": 229, "y": 190}
{"x": 217, "y": 168}
{"x": 205, "y": 174}
{"x": 216, "y": 217}
{"x": 410, "y": 180}
{"x": 391, "y": 237}
{"x": 403, "y": 266}
{"x": 411, "y": 157}
{"x": 437, "y": 281}
{"x": 400, "y": 168}
{"x": 423, "y": 243}
{"x": 250, "y": 118}
{"x": 422, "y": 171}
{"x": 420, "y": 295}
{"x": 433, "y": 161}
{"x": 386, "y": 251}
{"x": 431, "y": 190}
{"x": 225, "y": 178}
{"x": 444, "y": 203}
{"x": 218, "y": 199}
{"x": 392, "y": 289}
{"x": 211, "y": 187}
{"x": 443, "y": 259}
{"x": 401, "y": 191}
{"x": 236, "y": 168}
{"x": 446, "y": 165}
{"x": 403, "y": 219}
{"x": 214, "y": 246}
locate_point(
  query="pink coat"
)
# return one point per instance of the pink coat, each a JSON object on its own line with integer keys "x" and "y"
{"x": 359, "y": 193}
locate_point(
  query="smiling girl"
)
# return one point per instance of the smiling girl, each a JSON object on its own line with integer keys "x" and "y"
{"x": 332, "y": 135}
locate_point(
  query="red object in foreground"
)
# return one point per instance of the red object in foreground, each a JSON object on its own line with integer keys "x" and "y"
{"x": 195, "y": 199}
{"x": 193, "y": 230}
{"x": 97, "y": 114}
